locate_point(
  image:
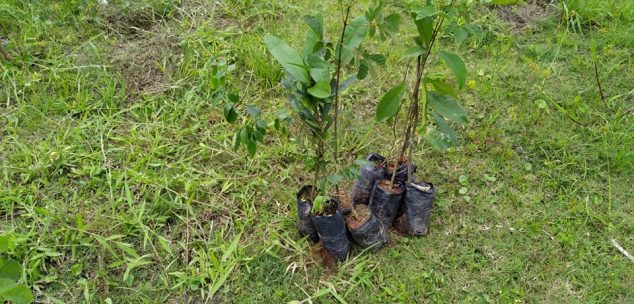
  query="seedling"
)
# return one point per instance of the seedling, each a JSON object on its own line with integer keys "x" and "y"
{"x": 439, "y": 102}
{"x": 315, "y": 89}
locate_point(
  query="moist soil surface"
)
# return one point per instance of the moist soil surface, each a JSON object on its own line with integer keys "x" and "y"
{"x": 357, "y": 218}
{"x": 387, "y": 186}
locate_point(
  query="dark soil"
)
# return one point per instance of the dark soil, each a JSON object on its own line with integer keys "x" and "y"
{"x": 329, "y": 208}
{"x": 357, "y": 218}
{"x": 387, "y": 186}
{"x": 525, "y": 16}
{"x": 390, "y": 165}
{"x": 344, "y": 198}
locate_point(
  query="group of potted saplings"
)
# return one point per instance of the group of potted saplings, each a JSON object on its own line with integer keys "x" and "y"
{"x": 385, "y": 193}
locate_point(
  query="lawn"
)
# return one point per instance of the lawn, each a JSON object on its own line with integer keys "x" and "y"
{"x": 119, "y": 181}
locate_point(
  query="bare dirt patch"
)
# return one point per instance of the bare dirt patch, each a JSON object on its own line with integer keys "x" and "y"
{"x": 525, "y": 16}
{"x": 146, "y": 60}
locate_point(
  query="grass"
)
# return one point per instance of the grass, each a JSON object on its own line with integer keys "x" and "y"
{"x": 119, "y": 182}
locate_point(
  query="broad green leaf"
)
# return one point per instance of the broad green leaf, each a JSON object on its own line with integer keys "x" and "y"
{"x": 457, "y": 66}
{"x": 354, "y": 36}
{"x": 254, "y": 111}
{"x": 442, "y": 86}
{"x": 6, "y": 243}
{"x": 413, "y": 52}
{"x": 447, "y": 106}
{"x": 316, "y": 24}
{"x": 320, "y": 90}
{"x": 251, "y": 147}
{"x": 18, "y": 295}
{"x": 320, "y": 75}
{"x": 230, "y": 112}
{"x": 377, "y": 58}
{"x": 363, "y": 70}
{"x": 10, "y": 270}
{"x": 446, "y": 130}
{"x": 392, "y": 22}
{"x": 287, "y": 57}
{"x": 425, "y": 11}
{"x": 425, "y": 28}
{"x": 437, "y": 140}
{"x": 390, "y": 102}
{"x": 5, "y": 285}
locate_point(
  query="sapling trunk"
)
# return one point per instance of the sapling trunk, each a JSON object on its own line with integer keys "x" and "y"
{"x": 337, "y": 81}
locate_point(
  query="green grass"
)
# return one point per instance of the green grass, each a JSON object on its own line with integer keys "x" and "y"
{"x": 119, "y": 181}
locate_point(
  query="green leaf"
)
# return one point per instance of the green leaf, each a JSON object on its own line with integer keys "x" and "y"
{"x": 390, "y": 102}
{"x": 287, "y": 57}
{"x": 18, "y": 295}
{"x": 352, "y": 39}
{"x": 363, "y": 70}
{"x": 230, "y": 112}
{"x": 5, "y": 285}
{"x": 251, "y": 147}
{"x": 437, "y": 140}
{"x": 457, "y": 66}
{"x": 392, "y": 22}
{"x": 446, "y": 130}
{"x": 320, "y": 90}
{"x": 447, "y": 106}
{"x": 442, "y": 86}
{"x": 425, "y": 28}
{"x": 413, "y": 52}
{"x": 377, "y": 58}
{"x": 425, "y": 11}
{"x": 254, "y": 111}
{"x": 320, "y": 75}
{"x": 6, "y": 243}
{"x": 316, "y": 24}
{"x": 10, "y": 270}
{"x": 356, "y": 31}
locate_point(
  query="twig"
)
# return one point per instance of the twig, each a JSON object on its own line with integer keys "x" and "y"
{"x": 596, "y": 76}
{"x": 621, "y": 250}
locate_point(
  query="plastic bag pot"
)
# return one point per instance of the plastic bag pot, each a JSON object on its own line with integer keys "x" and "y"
{"x": 385, "y": 203}
{"x": 305, "y": 225}
{"x": 368, "y": 175}
{"x": 417, "y": 207}
{"x": 401, "y": 173}
{"x": 333, "y": 234}
{"x": 370, "y": 234}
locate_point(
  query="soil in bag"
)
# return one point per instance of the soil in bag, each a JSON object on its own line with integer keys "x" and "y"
{"x": 365, "y": 229}
{"x": 368, "y": 175}
{"x": 305, "y": 225}
{"x": 401, "y": 171}
{"x": 345, "y": 201}
{"x": 417, "y": 207}
{"x": 332, "y": 231}
{"x": 386, "y": 200}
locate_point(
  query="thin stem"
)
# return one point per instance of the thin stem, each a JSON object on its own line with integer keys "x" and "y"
{"x": 337, "y": 81}
{"x": 596, "y": 76}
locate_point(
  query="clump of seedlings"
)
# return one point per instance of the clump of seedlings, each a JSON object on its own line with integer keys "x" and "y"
{"x": 432, "y": 97}
{"x": 385, "y": 190}
{"x": 313, "y": 79}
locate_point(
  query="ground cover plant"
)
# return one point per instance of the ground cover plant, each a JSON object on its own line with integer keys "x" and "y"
{"x": 120, "y": 182}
